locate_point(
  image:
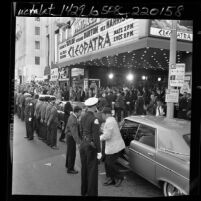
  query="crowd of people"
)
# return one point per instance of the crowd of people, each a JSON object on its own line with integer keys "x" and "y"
{"x": 124, "y": 101}
{"x": 36, "y": 104}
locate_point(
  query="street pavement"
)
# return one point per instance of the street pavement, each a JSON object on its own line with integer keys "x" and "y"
{"x": 40, "y": 170}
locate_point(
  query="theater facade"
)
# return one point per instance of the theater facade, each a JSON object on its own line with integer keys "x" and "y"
{"x": 99, "y": 46}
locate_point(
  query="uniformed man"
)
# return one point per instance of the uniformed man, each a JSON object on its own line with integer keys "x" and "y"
{"x": 47, "y": 115}
{"x": 35, "y": 100}
{"x": 52, "y": 123}
{"x": 37, "y": 115}
{"x": 29, "y": 116}
{"x": 42, "y": 118}
{"x": 22, "y": 104}
{"x": 90, "y": 150}
{"x": 18, "y": 104}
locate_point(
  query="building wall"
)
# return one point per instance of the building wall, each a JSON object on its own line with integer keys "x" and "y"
{"x": 25, "y": 48}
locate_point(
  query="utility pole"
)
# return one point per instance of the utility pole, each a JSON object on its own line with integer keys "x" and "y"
{"x": 172, "y": 63}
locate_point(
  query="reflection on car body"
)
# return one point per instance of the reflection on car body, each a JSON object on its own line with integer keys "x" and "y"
{"x": 158, "y": 149}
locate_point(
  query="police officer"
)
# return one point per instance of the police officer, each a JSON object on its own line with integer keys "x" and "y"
{"x": 42, "y": 118}
{"x": 90, "y": 149}
{"x": 35, "y": 100}
{"x": 37, "y": 115}
{"x": 52, "y": 123}
{"x": 22, "y": 104}
{"x": 18, "y": 104}
{"x": 29, "y": 116}
{"x": 47, "y": 115}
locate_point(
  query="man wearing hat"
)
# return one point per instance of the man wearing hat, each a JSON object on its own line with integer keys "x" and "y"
{"x": 114, "y": 144}
{"x": 72, "y": 138}
{"x": 47, "y": 115}
{"x": 90, "y": 150}
{"x": 29, "y": 116}
{"x": 52, "y": 123}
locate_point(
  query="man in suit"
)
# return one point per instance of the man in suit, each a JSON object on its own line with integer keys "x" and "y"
{"x": 72, "y": 138}
{"x": 114, "y": 145}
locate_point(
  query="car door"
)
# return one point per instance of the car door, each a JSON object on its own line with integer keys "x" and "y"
{"x": 142, "y": 152}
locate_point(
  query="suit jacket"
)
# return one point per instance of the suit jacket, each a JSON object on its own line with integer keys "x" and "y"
{"x": 72, "y": 128}
{"x": 112, "y": 136}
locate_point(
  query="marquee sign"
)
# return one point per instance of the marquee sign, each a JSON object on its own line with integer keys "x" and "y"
{"x": 162, "y": 28}
{"x": 106, "y": 35}
{"x": 167, "y": 34}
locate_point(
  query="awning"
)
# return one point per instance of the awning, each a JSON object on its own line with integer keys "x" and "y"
{"x": 150, "y": 42}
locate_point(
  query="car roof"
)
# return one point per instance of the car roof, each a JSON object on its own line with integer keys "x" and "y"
{"x": 179, "y": 125}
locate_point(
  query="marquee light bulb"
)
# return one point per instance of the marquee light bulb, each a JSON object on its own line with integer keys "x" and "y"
{"x": 129, "y": 77}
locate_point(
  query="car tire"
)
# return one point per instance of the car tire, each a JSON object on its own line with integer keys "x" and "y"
{"x": 170, "y": 190}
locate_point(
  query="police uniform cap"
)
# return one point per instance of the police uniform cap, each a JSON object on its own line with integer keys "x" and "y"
{"x": 91, "y": 102}
{"x": 41, "y": 97}
{"x": 47, "y": 97}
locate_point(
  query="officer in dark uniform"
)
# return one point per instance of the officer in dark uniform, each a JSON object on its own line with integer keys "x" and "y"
{"x": 42, "y": 118}
{"x": 90, "y": 150}
{"x": 35, "y": 101}
{"x": 37, "y": 114}
{"x": 29, "y": 116}
{"x": 22, "y": 103}
{"x": 52, "y": 123}
{"x": 47, "y": 115}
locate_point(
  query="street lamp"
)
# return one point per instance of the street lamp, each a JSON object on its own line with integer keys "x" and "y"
{"x": 129, "y": 77}
{"x": 111, "y": 75}
{"x": 159, "y": 79}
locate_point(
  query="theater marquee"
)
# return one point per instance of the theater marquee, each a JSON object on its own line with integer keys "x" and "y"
{"x": 106, "y": 35}
{"x": 162, "y": 28}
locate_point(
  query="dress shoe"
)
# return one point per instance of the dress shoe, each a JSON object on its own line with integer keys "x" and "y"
{"x": 72, "y": 171}
{"x": 118, "y": 182}
{"x": 30, "y": 139}
{"x": 109, "y": 182}
{"x": 61, "y": 140}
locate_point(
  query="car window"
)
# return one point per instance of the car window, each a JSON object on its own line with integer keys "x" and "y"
{"x": 146, "y": 135}
{"x": 128, "y": 131}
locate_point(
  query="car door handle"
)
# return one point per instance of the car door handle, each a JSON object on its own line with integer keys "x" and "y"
{"x": 150, "y": 154}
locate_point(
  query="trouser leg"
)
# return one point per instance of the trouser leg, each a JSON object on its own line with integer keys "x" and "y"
{"x": 48, "y": 136}
{"x": 22, "y": 114}
{"x": 53, "y": 135}
{"x": 71, "y": 153}
{"x": 113, "y": 168}
{"x": 84, "y": 178}
{"x": 27, "y": 129}
{"x": 92, "y": 164}
{"x": 31, "y": 130}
